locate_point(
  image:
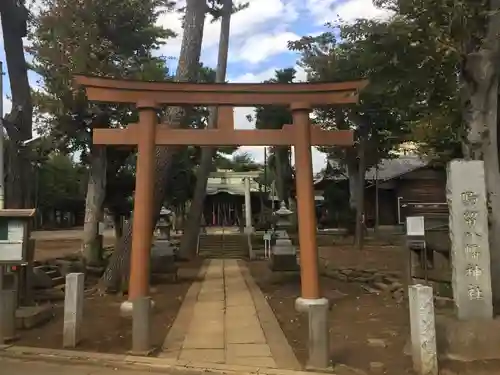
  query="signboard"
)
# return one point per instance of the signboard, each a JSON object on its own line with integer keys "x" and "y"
{"x": 267, "y": 236}
{"x": 415, "y": 226}
{"x": 11, "y": 246}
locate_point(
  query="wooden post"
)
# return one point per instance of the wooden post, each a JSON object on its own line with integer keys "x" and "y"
{"x": 305, "y": 202}
{"x": 142, "y": 228}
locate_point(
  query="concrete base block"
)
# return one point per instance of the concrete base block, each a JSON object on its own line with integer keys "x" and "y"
{"x": 303, "y": 304}
{"x": 32, "y": 316}
{"x": 141, "y": 325}
{"x": 470, "y": 340}
{"x": 319, "y": 338}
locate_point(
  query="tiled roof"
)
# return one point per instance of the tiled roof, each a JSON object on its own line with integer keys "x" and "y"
{"x": 387, "y": 168}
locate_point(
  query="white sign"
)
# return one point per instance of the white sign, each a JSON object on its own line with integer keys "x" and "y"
{"x": 415, "y": 226}
{"x": 267, "y": 236}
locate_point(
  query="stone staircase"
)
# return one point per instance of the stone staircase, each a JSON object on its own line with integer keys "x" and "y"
{"x": 47, "y": 276}
{"x": 229, "y": 246}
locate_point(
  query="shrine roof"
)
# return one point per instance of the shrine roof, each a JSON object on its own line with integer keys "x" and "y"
{"x": 388, "y": 169}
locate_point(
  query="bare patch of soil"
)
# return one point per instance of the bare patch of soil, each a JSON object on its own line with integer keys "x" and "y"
{"x": 104, "y": 330}
{"x": 364, "y": 327}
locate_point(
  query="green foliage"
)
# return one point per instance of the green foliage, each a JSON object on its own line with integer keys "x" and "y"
{"x": 457, "y": 34}
{"x": 60, "y": 183}
{"x": 338, "y": 210}
{"x": 111, "y": 38}
{"x": 274, "y": 117}
{"x": 409, "y": 81}
{"x": 240, "y": 162}
{"x": 180, "y": 192}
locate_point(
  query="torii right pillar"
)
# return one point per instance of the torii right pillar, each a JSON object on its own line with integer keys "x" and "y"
{"x": 310, "y": 300}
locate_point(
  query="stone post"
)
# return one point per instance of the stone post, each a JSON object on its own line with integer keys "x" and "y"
{"x": 8, "y": 303}
{"x": 248, "y": 206}
{"x": 423, "y": 330}
{"x": 470, "y": 252}
{"x": 73, "y": 309}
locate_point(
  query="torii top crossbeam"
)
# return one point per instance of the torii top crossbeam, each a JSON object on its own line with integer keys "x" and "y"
{"x": 232, "y": 94}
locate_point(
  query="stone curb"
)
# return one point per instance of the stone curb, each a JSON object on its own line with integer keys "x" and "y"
{"x": 148, "y": 363}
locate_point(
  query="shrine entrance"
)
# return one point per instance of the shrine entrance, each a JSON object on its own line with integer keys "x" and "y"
{"x": 300, "y": 97}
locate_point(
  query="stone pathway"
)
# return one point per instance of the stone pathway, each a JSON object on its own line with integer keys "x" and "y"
{"x": 226, "y": 319}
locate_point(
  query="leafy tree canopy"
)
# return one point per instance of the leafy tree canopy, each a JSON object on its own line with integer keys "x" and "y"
{"x": 110, "y": 38}
{"x": 408, "y": 75}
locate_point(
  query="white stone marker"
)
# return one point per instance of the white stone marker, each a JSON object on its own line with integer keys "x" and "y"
{"x": 73, "y": 309}
{"x": 470, "y": 251}
{"x": 423, "y": 330}
{"x": 248, "y": 206}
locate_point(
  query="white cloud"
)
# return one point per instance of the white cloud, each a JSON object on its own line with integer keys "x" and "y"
{"x": 261, "y": 46}
{"x": 351, "y": 10}
{"x": 328, "y": 10}
{"x": 268, "y": 19}
{"x": 254, "y": 77}
{"x": 264, "y": 28}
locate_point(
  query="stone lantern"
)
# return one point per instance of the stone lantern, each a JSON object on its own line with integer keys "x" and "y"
{"x": 283, "y": 253}
{"x": 162, "y": 252}
{"x": 164, "y": 225}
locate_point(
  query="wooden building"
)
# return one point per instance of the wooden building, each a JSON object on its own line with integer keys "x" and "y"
{"x": 225, "y": 200}
{"x": 407, "y": 185}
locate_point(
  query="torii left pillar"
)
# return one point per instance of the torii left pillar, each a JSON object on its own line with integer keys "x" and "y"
{"x": 142, "y": 226}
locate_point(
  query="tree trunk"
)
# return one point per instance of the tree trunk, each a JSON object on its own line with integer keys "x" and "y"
{"x": 18, "y": 122}
{"x": 94, "y": 205}
{"x": 189, "y": 239}
{"x": 281, "y": 163}
{"x": 14, "y": 185}
{"x": 353, "y": 175}
{"x": 118, "y": 227}
{"x": 14, "y": 19}
{"x": 187, "y": 70}
{"x": 360, "y": 194}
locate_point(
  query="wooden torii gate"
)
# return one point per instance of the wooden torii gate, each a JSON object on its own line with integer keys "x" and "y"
{"x": 147, "y": 96}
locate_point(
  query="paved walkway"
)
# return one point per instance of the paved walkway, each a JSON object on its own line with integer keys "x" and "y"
{"x": 226, "y": 319}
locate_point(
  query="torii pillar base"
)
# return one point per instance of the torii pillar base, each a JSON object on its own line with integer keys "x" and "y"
{"x": 319, "y": 334}
{"x": 127, "y": 308}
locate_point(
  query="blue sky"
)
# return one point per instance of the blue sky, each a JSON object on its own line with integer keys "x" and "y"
{"x": 258, "y": 43}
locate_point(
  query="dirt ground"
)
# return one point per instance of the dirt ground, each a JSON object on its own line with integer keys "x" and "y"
{"x": 355, "y": 316}
{"x": 55, "y": 244}
{"x": 104, "y": 330}
{"x": 364, "y": 328}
